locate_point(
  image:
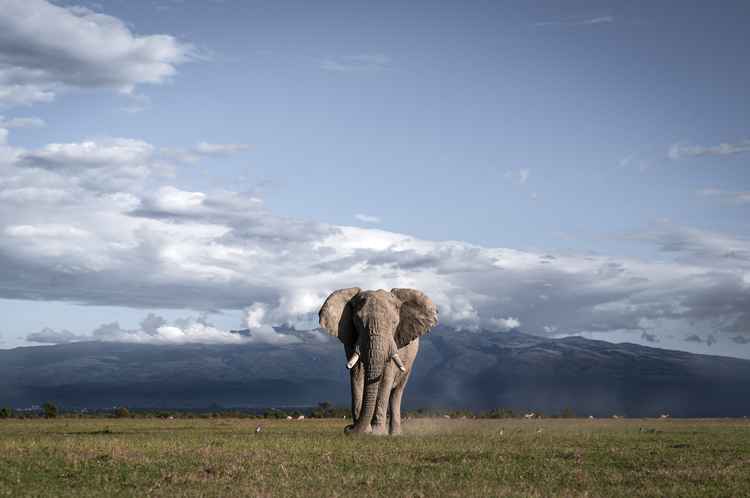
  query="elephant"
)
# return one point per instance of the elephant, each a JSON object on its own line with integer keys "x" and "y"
{"x": 380, "y": 331}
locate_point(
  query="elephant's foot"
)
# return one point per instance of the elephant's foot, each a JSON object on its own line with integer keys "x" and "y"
{"x": 379, "y": 430}
{"x": 395, "y": 431}
{"x": 358, "y": 429}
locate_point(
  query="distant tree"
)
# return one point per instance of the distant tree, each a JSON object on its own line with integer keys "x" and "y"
{"x": 49, "y": 409}
{"x": 567, "y": 413}
{"x": 6, "y": 413}
{"x": 499, "y": 413}
{"x": 274, "y": 413}
{"x": 121, "y": 412}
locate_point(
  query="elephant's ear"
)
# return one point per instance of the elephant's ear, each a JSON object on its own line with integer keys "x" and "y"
{"x": 336, "y": 315}
{"x": 418, "y": 315}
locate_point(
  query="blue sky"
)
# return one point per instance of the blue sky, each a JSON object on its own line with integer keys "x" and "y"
{"x": 221, "y": 153}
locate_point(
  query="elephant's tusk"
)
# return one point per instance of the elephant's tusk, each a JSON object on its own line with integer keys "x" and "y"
{"x": 394, "y": 355}
{"x": 399, "y": 363}
{"x": 353, "y": 360}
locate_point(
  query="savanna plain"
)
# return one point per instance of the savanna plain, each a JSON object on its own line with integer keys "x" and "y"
{"x": 434, "y": 457}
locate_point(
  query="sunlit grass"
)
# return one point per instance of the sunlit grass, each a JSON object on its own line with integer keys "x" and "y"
{"x": 435, "y": 457}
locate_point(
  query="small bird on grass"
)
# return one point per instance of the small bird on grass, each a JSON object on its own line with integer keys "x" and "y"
{"x": 258, "y": 429}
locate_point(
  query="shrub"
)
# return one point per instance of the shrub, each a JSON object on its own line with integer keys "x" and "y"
{"x": 121, "y": 412}
{"x": 5, "y": 413}
{"x": 49, "y": 409}
{"x": 499, "y": 413}
{"x": 567, "y": 413}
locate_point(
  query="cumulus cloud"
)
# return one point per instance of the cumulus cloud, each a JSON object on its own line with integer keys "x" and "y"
{"x": 154, "y": 329}
{"x": 47, "y": 48}
{"x": 180, "y": 332}
{"x": 50, "y": 336}
{"x": 504, "y": 324}
{"x": 69, "y": 232}
{"x": 681, "y": 150}
{"x": 366, "y": 218}
{"x": 106, "y": 165}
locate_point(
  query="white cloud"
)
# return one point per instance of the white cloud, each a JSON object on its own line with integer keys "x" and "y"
{"x": 203, "y": 149}
{"x": 105, "y": 165}
{"x": 156, "y": 330}
{"x": 213, "y": 149}
{"x": 366, "y": 218}
{"x": 45, "y": 230}
{"x": 599, "y": 20}
{"x": 696, "y": 246}
{"x": 355, "y": 63}
{"x": 520, "y": 176}
{"x": 736, "y": 197}
{"x": 89, "y": 154}
{"x": 173, "y": 199}
{"x": 682, "y": 151}
{"x": 50, "y": 336}
{"x": 47, "y": 48}
{"x": 505, "y": 324}
{"x": 578, "y": 21}
{"x": 21, "y": 123}
{"x": 189, "y": 331}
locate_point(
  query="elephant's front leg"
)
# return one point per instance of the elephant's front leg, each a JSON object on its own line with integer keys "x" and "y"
{"x": 357, "y": 378}
{"x": 384, "y": 393}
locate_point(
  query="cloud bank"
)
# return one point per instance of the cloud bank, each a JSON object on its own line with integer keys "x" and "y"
{"x": 108, "y": 223}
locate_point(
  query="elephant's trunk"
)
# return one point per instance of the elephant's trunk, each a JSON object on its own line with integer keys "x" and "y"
{"x": 375, "y": 358}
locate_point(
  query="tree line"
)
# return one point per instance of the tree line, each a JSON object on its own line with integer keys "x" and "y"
{"x": 324, "y": 409}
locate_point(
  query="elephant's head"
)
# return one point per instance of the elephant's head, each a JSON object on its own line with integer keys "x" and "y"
{"x": 374, "y": 325}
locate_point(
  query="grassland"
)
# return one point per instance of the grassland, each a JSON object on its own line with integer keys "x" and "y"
{"x": 435, "y": 457}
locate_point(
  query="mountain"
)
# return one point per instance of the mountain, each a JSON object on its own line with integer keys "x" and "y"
{"x": 454, "y": 370}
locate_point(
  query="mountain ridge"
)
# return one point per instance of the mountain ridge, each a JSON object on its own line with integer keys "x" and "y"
{"x": 472, "y": 370}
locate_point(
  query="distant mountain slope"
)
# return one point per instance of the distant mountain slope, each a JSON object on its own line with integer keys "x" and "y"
{"x": 454, "y": 370}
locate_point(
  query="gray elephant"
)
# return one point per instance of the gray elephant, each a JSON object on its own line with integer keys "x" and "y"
{"x": 380, "y": 331}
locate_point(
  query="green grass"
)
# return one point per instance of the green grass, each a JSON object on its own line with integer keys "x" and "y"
{"x": 435, "y": 457}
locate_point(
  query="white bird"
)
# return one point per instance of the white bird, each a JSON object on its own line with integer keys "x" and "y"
{"x": 258, "y": 429}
